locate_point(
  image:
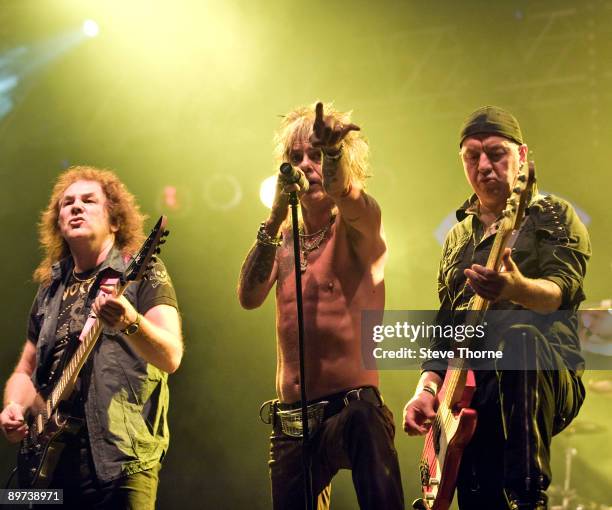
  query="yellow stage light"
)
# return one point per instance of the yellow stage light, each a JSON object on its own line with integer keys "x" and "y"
{"x": 266, "y": 191}
{"x": 90, "y": 28}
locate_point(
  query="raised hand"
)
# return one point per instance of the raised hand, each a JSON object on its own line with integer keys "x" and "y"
{"x": 327, "y": 132}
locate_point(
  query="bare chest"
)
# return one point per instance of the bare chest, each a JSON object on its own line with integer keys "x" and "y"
{"x": 328, "y": 271}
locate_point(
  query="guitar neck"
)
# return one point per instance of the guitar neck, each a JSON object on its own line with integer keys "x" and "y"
{"x": 64, "y": 387}
{"x": 478, "y": 305}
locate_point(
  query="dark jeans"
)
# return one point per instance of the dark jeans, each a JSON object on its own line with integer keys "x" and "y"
{"x": 75, "y": 474}
{"x": 518, "y": 413}
{"x": 360, "y": 438}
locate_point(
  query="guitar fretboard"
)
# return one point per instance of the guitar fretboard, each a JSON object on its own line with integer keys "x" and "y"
{"x": 67, "y": 381}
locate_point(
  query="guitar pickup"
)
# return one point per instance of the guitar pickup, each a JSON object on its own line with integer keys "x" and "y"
{"x": 437, "y": 432}
{"x": 424, "y": 471}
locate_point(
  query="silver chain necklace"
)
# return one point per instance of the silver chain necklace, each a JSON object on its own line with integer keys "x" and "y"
{"x": 310, "y": 242}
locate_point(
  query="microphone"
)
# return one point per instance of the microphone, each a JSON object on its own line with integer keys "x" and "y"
{"x": 293, "y": 176}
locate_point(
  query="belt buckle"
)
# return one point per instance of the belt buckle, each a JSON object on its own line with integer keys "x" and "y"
{"x": 356, "y": 391}
{"x": 268, "y": 417}
{"x": 291, "y": 419}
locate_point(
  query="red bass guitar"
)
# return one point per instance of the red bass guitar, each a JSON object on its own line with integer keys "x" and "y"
{"x": 455, "y": 422}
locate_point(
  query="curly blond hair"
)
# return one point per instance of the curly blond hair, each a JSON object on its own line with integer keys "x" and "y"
{"x": 296, "y": 126}
{"x": 123, "y": 213}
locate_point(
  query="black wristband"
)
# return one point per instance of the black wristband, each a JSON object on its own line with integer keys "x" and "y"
{"x": 429, "y": 390}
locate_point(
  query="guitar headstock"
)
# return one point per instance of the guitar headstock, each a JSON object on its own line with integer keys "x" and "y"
{"x": 520, "y": 196}
{"x": 142, "y": 261}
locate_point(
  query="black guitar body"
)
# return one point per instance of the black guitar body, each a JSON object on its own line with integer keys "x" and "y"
{"x": 41, "y": 450}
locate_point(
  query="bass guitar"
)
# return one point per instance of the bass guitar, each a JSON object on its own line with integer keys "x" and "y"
{"x": 455, "y": 422}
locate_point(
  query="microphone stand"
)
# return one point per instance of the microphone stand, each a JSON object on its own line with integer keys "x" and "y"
{"x": 293, "y": 202}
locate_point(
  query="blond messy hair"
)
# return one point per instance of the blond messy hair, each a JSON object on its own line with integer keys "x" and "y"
{"x": 296, "y": 126}
{"x": 123, "y": 213}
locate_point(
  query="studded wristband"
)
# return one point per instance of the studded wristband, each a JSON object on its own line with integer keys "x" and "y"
{"x": 265, "y": 239}
{"x": 333, "y": 154}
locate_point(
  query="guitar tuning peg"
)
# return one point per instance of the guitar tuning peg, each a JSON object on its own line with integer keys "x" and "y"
{"x": 517, "y": 189}
{"x": 162, "y": 241}
{"x": 522, "y": 177}
{"x": 153, "y": 258}
{"x": 166, "y": 233}
{"x": 158, "y": 250}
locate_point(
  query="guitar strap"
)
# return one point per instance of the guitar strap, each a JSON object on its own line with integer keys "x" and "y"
{"x": 515, "y": 233}
{"x": 104, "y": 290}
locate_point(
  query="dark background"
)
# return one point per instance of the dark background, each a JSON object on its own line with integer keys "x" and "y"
{"x": 188, "y": 94}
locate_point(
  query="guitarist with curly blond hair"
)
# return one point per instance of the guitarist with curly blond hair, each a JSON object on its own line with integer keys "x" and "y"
{"x": 119, "y": 404}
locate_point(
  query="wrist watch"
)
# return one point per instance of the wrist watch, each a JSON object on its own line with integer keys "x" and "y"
{"x": 130, "y": 329}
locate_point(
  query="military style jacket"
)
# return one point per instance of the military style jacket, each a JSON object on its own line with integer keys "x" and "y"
{"x": 553, "y": 244}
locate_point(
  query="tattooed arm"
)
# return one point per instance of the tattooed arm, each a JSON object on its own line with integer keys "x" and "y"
{"x": 357, "y": 209}
{"x": 336, "y": 177}
{"x": 257, "y": 276}
{"x": 259, "y": 269}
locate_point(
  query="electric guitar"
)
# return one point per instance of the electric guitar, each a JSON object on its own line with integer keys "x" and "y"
{"x": 454, "y": 424}
{"x": 49, "y": 424}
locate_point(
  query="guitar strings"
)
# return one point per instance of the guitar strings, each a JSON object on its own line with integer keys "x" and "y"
{"x": 458, "y": 372}
{"x": 443, "y": 425}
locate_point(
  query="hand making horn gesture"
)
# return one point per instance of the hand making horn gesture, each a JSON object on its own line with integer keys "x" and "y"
{"x": 327, "y": 132}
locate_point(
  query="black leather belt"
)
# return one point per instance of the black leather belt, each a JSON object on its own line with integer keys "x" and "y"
{"x": 334, "y": 403}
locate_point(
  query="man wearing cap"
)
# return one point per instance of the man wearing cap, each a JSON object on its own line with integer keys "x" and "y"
{"x": 507, "y": 462}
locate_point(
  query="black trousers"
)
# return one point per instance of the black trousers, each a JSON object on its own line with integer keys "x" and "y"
{"x": 360, "y": 438}
{"x": 519, "y": 411}
{"x": 75, "y": 474}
